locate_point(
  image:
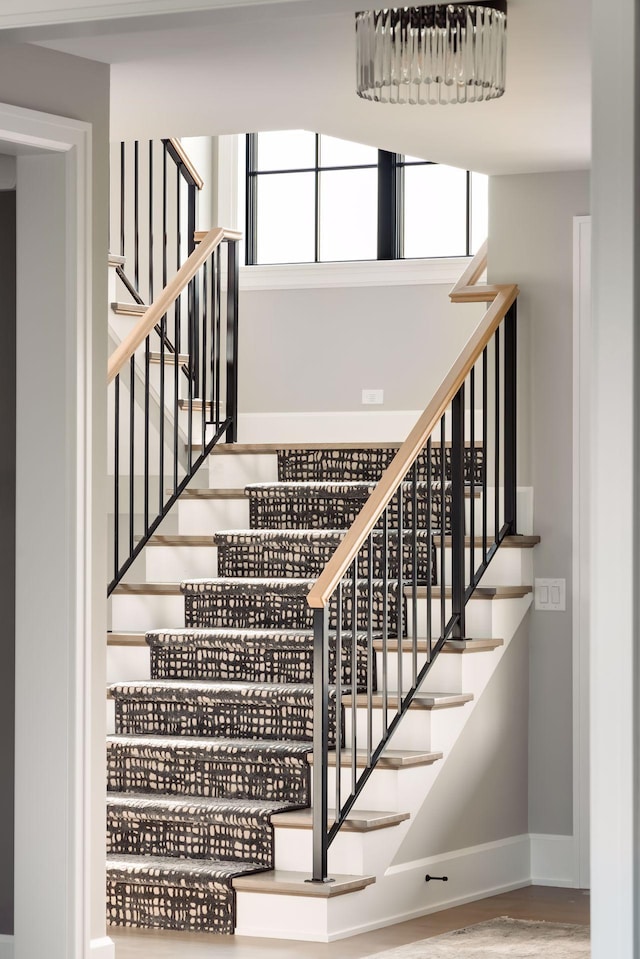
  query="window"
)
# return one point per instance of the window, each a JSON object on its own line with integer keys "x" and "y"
{"x": 315, "y": 198}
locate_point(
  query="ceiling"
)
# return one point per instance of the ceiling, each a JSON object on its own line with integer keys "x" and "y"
{"x": 290, "y": 64}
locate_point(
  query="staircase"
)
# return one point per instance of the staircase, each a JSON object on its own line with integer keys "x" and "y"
{"x": 295, "y": 652}
{"x": 210, "y": 767}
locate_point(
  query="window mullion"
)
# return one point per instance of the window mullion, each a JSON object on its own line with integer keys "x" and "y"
{"x": 251, "y": 223}
{"x": 387, "y": 206}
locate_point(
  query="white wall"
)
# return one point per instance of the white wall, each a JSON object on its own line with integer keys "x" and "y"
{"x": 67, "y": 86}
{"x": 531, "y": 243}
{"x": 615, "y": 514}
{"x": 7, "y": 525}
{"x": 480, "y": 795}
{"x": 310, "y": 350}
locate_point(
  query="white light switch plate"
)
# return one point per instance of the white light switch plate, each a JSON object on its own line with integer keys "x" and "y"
{"x": 372, "y": 397}
{"x": 551, "y": 595}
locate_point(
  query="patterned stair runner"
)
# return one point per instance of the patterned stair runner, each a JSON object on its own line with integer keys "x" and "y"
{"x": 219, "y": 739}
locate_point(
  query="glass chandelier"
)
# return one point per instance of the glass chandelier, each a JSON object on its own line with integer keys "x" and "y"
{"x": 444, "y": 53}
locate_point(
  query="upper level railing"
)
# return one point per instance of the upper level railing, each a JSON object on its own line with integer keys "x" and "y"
{"x": 155, "y": 187}
{"x": 399, "y": 582}
{"x": 162, "y": 425}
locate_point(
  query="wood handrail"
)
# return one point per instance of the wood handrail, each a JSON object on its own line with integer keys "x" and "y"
{"x": 187, "y": 162}
{"x": 502, "y": 298}
{"x": 163, "y": 303}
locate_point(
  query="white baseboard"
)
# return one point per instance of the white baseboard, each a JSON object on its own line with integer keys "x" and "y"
{"x": 104, "y": 948}
{"x": 380, "y": 426}
{"x": 474, "y": 873}
{"x": 6, "y": 947}
{"x": 398, "y": 895}
{"x": 553, "y": 860}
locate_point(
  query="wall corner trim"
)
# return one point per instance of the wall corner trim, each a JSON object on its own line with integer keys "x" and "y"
{"x": 553, "y": 860}
{"x": 103, "y": 948}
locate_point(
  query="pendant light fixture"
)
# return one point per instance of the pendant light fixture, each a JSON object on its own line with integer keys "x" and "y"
{"x": 443, "y": 53}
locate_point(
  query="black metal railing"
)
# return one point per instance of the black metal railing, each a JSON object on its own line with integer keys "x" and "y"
{"x": 156, "y": 216}
{"x": 163, "y": 424}
{"x": 389, "y": 601}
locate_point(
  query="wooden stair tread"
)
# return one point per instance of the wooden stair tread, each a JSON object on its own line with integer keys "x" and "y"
{"x": 390, "y": 759}
{"x": 420, "y": 700}
{"x": 265, "y": 448}
{"x": 126, "y": 639}
{"x": 237, "y": 493}
{"x": 509, "y": 542}
{"x": 196, "y": 405}
{"x": 451, "y": 646}
{"x": 357, "y": 821}
{"x": 147, "y": 589}
{"x": 281, "y": 882}
{"x": 181, "y": 540}
{"x": 481, "y": 592}
{"x": 129, "y": 309}
{"x": 168, "y": 357}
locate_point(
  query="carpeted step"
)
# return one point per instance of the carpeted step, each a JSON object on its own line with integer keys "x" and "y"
{"x": 225, "y": 710}
{"x": 235, "y": 830}
{"x": 305, "y": 553}
{"x": 220, "y": 768}
{"x": 282, "y": 604}
{"x": 334, "y": 506}
{"x": 161, "y": 893}
{"x": 242, "y": 655}
{"x": 366, "y": 465}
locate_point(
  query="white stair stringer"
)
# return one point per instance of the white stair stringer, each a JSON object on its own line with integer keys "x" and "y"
{"x": 399, "y": 892}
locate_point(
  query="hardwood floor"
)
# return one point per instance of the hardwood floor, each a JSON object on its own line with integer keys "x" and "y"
{"x": 532, "y": 902}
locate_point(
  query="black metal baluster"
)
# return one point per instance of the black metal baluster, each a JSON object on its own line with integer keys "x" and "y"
{"x": 414, "y": 575}
{"x": 116, "y": 478}
{"x": 496, "y": 522}
{"x": 165, "y": 236}
{"x": 122, "y": 196}
{"x": 147, "y": 373}
{"x": 457, "y": 514}
{"x": 338, "y": 660}
{"x": 136, "y": 216}
{"x": 430, "y": 551}
{"x": 510, "y": 419}
{"x": 400, "y": 593}
{"x": 132, "y": 472}
{"x": 176, "y": 318}
{"x": 354, "y": 675}
{"x": 162, "y": 415}
{"x": 485, "y": 458}
{"x": 385, "y": 618}
{"x": 443, "y": 526}
{"x": 218, "y": 316}
{"x": 205, "y": 321}
{"x": 370, "y": 652}
{"x": 472, "y": 468}
{"x": 150, "y": 221}
{"x": 320, "y": 743}
{"x": 232, "y": 342}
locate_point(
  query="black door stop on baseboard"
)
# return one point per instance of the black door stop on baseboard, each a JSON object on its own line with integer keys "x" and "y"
{"x": 436, "y": 878}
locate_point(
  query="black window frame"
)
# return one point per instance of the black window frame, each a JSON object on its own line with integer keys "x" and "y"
{"x": 390, "y": 202}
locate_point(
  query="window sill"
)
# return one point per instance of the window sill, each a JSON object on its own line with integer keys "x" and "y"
{"x": 304, "y": 276}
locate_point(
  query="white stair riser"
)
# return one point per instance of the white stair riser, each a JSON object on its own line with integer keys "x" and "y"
{"x": 173, "y": 564}
{"x": 141, "y": 613}
{"x": 445, "y": 675}
{"x": 351, "y": 853}
{"x": 200, "y": 517}
{"x": 509, "y": 567}
{"x": 386, "y": 789}
{"x": 478, "y": 617}
{"x": 128, "y": 664}
{"x": 278, "y": 917}
{"x": 421, "y": 729}
{"x": 239, "y": 470}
